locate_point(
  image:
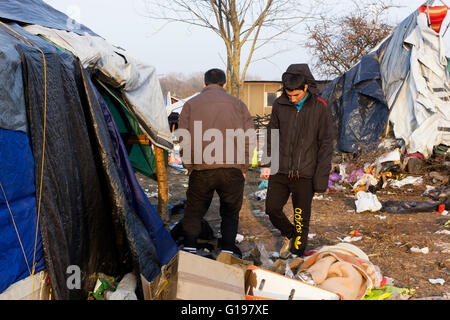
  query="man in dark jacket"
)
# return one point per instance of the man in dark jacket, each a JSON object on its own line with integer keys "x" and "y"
{"x": 215, "y": 115}
{"x": 305, "y": 152}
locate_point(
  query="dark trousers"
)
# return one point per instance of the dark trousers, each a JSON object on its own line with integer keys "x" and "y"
{"x": 229, "y": 185}
{"x": 278, "y": 192}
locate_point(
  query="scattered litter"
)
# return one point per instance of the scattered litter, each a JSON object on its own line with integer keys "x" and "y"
{"x": 367, "y": 201}
{"x": 125, "y": 289}
{"x": 389, "y": 293}
{"x": 350, "y": 239}
{"x": 364, "y": 182}
{"x": 264, "y": 184}
{"x": 321, "y": 197}
{"x": 151, "y": 194}
{"x": 423, "y": 250}
{"x": 355, "y": 233}
{"x": 261, "y": 194}
{"x": 405, "y": 181}
{"x": 239, "y": 238}
{"x": 443, "y": 232}
{"x": 443, "y": 245}
{"x": 312, "y": 235}
{"x": 437, "y": 281}
{"x": 380, "y": 217}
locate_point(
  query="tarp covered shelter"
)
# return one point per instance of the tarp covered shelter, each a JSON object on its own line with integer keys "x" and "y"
{"x": 69, "y": 195}
{"x": 405, "y": 81}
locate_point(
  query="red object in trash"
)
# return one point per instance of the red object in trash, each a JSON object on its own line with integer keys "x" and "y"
{"x": 441, "y": 208}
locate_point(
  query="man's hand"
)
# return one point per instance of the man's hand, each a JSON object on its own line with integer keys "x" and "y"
{"x": 245, "y": 175}
{"x": 265, "y": 173}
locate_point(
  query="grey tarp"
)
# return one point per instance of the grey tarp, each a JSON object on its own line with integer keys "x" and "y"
{"x": 404, "y": 81}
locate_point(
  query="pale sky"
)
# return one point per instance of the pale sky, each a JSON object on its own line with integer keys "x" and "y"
{"x": 181, "y": 48}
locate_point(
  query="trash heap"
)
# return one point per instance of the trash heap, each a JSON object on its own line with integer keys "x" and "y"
{"x": 338, "y": 272}
{"x": 392, "y": 169}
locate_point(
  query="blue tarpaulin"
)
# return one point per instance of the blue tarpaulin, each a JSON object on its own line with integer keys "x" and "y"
{"x": 17, "y": 180}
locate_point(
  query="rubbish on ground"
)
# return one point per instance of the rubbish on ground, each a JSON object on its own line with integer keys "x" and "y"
{"x": 444, "y": 246}
{"x": 438, "y": 178}
{"x": 405, "y": 181}
{"x": 321, "y": 197}
{"x": 239, "y": 238}
{"x": 389, "y": 293}
{"x": 364, "y": 182}
{"x": 230, "y": 259}
{"x": 264, "y": 184}
{"x": 260, "y": 256}
{"x": 345, "y": 269}
{"x": 424, "y": 250}
{"x": 355, "y": 233}
{"x": 311, "y": 235}
{"x": 447, "y": 232}
{"x": 350, "y": 239}
{"x": 380, "y": 217}
{"x": 367, "y": 201}
{"x": 261, "y": 284}
{"x": 437, "y": 281}
{"x": 191, "y": 277}
{"x": 392, "y": 156}
{"x": 261, "y": 194}
{"x": 104, "y": 283}
{"x": 354, "y": 175}
{"x": 125, "y": 289}
{"x": 408, "y": 206}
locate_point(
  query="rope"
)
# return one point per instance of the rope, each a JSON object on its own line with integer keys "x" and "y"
{"x": 15, "y": 228}
{"x": 22, "y": 37}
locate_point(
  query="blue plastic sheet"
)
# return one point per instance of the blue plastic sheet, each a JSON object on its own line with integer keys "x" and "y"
{"x": 17, "y": 179}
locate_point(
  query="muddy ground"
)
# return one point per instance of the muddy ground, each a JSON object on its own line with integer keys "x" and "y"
{"x": 387, "y": 238}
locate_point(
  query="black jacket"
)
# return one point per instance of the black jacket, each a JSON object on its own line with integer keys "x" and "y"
{"x": 305, "y": 136}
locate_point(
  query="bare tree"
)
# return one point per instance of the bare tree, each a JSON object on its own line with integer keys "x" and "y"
{"x": 338, "y": 43}
{"x": 237, "y": 22}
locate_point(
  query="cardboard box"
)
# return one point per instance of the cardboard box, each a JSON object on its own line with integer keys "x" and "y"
{"x": 191, "y": 277}
{"x": 261, "y": 284}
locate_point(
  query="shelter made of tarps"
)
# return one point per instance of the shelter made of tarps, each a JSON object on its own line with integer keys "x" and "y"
{"x": 72, "y": 168}
{"x": 404, "y": 81}
{"x": 137, "y": 81}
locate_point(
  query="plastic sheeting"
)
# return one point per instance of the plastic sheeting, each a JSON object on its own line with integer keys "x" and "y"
{"x": 12, "y": 99}
{"x": 404, "y": 80}
{"x": 137, "y": 81}
{"x": 357, "y": 103}
{"x": 417, "y": 85}
{"x": 17, "y": 180}
{"x": 93, "y": 213}
{"x": 40, "y": 13}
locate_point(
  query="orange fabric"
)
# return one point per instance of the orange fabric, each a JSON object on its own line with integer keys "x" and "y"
{"x": 437, "y": 16}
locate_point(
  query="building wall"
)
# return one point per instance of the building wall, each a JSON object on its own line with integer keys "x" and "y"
{"x": 255, "y": 95}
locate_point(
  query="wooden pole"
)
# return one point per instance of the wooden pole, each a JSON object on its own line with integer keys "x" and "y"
{"x": 163, "y": 189}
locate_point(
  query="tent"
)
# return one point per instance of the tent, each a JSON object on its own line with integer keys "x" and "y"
{"x": 403, "y": 83}
{"x": 69, "y": 195}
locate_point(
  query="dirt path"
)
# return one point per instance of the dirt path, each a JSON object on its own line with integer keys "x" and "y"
{"x": 386, "y": 238}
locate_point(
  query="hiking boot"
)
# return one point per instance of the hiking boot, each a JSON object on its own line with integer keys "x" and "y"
{"x": 285, "y": 251}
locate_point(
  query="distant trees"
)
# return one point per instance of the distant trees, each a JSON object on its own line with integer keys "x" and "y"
{"x": 181, "y": 85}
{"x": 338, "y": 43}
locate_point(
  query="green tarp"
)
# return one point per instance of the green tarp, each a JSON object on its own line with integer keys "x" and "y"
{"x": 141, "y": 154}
